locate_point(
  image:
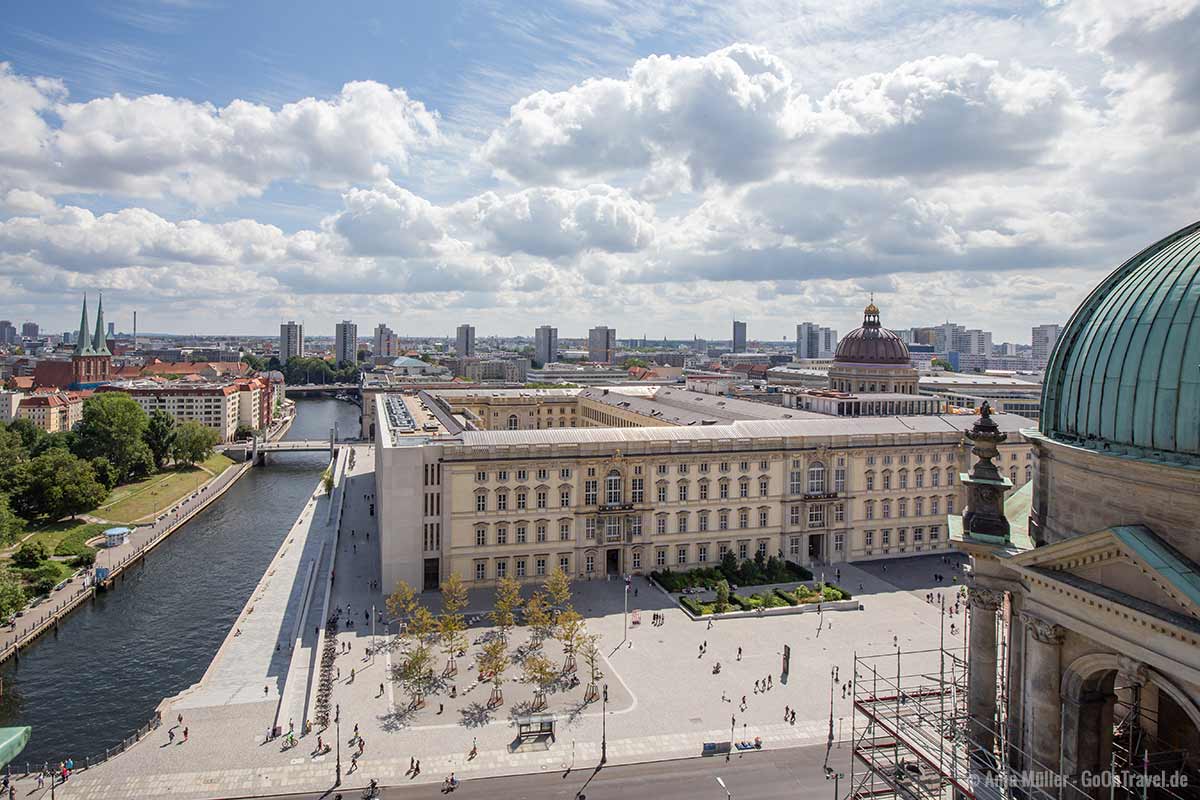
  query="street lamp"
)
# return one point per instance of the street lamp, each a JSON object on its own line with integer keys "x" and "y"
{"x": 337, "y": 721}
{"x": 728, "y": 794}
{"x": 604, "y": 727}
{"x": 837, "y": 777}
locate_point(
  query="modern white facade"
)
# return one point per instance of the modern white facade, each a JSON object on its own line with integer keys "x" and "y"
{"x": 815, "y": 341}
{"x": 1044, "y": 338}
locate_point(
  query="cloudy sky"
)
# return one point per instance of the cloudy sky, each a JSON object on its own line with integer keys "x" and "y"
{"x": 663, "y": 167}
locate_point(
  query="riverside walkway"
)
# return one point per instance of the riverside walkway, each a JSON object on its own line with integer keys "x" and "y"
{"x": 664, "y": 699}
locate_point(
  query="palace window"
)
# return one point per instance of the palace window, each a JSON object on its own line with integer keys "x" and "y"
{"x": 723, "y": 521}
{"x": 704, "y": 490}
{"x": 660, "y": 524}
{"x": 501, "y": 568}
{"x": 764, "y": 517}
{"x": 744, "y": 487}
{"x": 637, "y": 493}
{"x": 542, "y": 500}
{"x": 743, "y": 518}
{"x": 481, "y": 502}
{"x": 637, "y": 559}
{"x": 480, "y": 570}
{"x": 589, "y": 493}
{"x": 481, "y": 537}
{"x": 662, "y": 492}
{"x": 520, "y": 567}
{"x": 540, "y": 564}
{"x": 589, "y": 528}
{"x": 683, "y": 491}
{"x": 502, "y": 501}
{"x": 613, "y": 488}
{"x": 681, "y": 555}
{"x": 950, "y": 504}
{"x": 660, "y": 557}
{"x": 702, "y": 554}
{"x": 764, "y": 485}
{"x": 794, "y": 546}
{"x": 564, "y": 530}
{"x": 795, "y": 482}
{"x": 816, "y": 478}
{"x": 541, "y": 532}
{"x": 521, "y": 500}
{"x": 816, "y": 516}
{"x": 522, "y": 533}
{"x": 501, "y": 534}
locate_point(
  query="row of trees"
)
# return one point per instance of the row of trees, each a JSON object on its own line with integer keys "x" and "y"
{"x": 47, "y": 476}
{"x": 547, "y": 614}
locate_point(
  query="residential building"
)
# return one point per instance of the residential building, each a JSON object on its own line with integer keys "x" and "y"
{"x": 10, "y": 401}
{"x": 1044, "y": 338}
{"x": 214, "y": 405}
{"x": 602, "y": 344}
{"x": 291, "y": 340}
{"x": 739, "y": 337}
{"x": 8, "y": 332}
{"x": 345, "y": 342}
{"x": 815, "y": 341}
{"x": 29, "y": 330}
{"x": 545, "y": 345}
{"x": 505, "y": 370}
{"x": 385, "y": 344}
{"x": 581, "y": 374}
{"x": 53, "y": 412}
{"x": 464, "y": 341}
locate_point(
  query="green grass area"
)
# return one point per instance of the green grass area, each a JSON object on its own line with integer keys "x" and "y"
{"x": 67, "y": 538}
{"x": 48, "y": 574}
{"x": 146, "y": 498}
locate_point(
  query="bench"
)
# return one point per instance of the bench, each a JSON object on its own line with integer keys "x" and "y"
{"x": 715, "y": 748}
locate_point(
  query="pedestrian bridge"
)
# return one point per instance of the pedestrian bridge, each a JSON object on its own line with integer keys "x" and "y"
{"x": 258, "y": 450}
{"x": 301, "y": 446}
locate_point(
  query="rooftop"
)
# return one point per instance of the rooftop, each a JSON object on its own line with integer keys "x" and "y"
{"x": 685, "y": 407}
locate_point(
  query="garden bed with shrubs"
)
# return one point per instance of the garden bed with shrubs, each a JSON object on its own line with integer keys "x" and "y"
{"x": 727, "y": 601}
{"x": 750, "y": 572}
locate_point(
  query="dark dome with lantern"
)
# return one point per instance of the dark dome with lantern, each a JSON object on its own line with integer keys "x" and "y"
{"x": 872, "y": 343}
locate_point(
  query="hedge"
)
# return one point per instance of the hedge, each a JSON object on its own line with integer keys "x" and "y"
{"x": 788, "y": 598}
{"x": 691, "y": 605}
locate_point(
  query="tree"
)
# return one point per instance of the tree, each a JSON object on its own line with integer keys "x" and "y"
{"x": 106, "y": 473}
{"x": 541, "y": 673}
{"x": 415, "y": 670}
{"x": 537, "y": 617}
{"x": 159, "y": 436}
{"x": 113, "y": 426}
{"x": 63, "y": 440}
{"x": 12, "y": 448}
{"x": 402, "y": 601}
{"x": 569, "y": 632}
{"x": 28, "y": 431}
{"x": 451, "y": 624}
{"x": 558, "y": 588}
{"x": 942, "y": 364}
{"x": 30, "y": 555}
{"x": 590, "y": 649}
{"x": 54, "y": 485}
{"x": 722, "y": 596}
{"x": 255, "y": 363}
{"x": 244, "y": 431}
{"x": 492, "y": 662}
{"x": 193, "y": 443}
{"x": 508, "y": 601}
{"x": 12, "y": 593}
{"x": 10, "y": 524}
{"x": 44, "y": 578}
{"x": 729, "y": 566}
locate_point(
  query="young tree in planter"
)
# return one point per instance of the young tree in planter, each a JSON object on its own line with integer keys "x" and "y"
{"x": 415, "y": 669}
{"x": 492, "y": 663}
{"x": 539, "y": 671}
{"x": 568, "y": 631}
{"x": 590, "y": 649}
{"x": 537, "y": 616}
{"x": 402, "y": 601}
{"x": 558, "y": 588}
{"x": 451, "y": 625}
{"x": 508, "y": 602}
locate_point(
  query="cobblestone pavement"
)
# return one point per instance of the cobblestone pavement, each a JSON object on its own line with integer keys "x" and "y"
{"x": 664, "y": 699}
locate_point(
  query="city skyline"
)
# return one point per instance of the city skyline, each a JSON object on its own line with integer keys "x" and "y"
{"x": 429, "y": 196}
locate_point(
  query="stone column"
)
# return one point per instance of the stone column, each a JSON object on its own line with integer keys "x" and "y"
{"x": 981, "y": 677}
{"x": 1016, "y": 664}
{"x": 1042, "y": 707}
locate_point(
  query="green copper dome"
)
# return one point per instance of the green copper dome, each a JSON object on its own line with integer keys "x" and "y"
{"x": 1125, "y": 373}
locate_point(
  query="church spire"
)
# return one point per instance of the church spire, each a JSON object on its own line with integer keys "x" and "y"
{"x": 83, "y": 343}
{"x": 100, "y": 340}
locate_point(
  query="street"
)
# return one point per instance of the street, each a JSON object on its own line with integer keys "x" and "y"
{"x": 786, "y": 773}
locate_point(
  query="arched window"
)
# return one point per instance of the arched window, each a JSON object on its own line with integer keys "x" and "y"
{"x": 613, "y": 488}
{"x": 816, "y": 478}
{"x": 513, "y": 424}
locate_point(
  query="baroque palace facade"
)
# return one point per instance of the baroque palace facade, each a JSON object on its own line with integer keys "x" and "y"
{"x": 617, "y": 481}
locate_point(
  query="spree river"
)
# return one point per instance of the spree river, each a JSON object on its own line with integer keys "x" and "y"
{"x": 101, "y": 677}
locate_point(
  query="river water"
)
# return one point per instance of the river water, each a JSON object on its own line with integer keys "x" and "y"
{"x": 112, "y": 661}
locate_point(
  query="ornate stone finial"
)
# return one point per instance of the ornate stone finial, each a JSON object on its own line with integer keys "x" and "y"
{"x": 984, "y": 514}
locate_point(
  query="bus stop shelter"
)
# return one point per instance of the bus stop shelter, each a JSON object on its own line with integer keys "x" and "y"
{"x": 535, "y": 726}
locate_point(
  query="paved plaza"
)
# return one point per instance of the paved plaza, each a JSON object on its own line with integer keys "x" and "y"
{"x": 664, "y": 699}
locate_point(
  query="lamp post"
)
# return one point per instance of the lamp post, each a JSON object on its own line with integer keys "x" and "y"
{"x": 337, "y": 721}
{"x": 837, "y": 777}
{"x": 604, "y": 727}
{"x": 728, "y": 794}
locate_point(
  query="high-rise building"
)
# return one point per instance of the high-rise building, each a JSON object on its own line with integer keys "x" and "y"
{"x": 814, "y": 341}
{"x": 8, "y": 332}
{"x": 979, "y": 343}
{"x": 1044, "y": 338}
{"x": 291, "y": 340}
{"x": 545, "y": 345}
{"x": 739, "y": 337}
{"x": 345, "y": 342}
{"x": 602, "y": 343}
{"x": 29, "y": 330}
{"x": 464, "y": 341}
{"x": 112, "y": 330}
{"x": 386, "y": 343}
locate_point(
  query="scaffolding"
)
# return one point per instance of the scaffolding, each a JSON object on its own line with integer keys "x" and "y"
{"x": 910, "y": 737}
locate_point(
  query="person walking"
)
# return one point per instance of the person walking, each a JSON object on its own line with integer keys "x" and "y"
{"x": 185, "y": 734}
{"x": 170, "y": 736}
{"x": 739, "y": 658}
{"x": 418, "y": 769}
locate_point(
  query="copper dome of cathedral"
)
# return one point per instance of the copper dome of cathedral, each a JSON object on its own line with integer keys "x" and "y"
{"x": 872, "y": 343}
